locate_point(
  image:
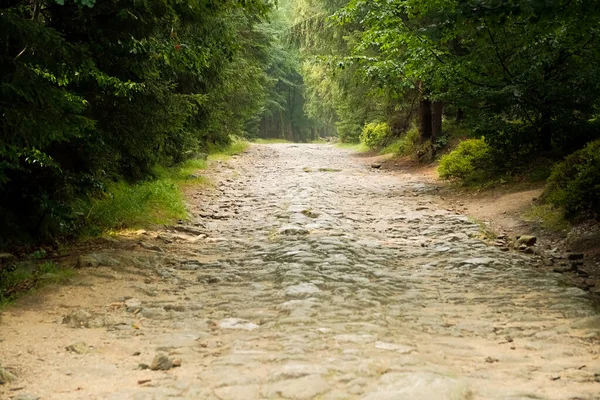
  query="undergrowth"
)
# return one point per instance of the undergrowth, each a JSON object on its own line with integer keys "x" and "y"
{"x": 270, "y": 141}
{"x": 484, "y": 229}
{"x": 357, "y": 147}
{"x": 18, "y": 278}
{"x": 548, "y": 217}
{"x": 221, "y": 153}
{"x": 396, "y": 147}
{"x": 158, "y": 200}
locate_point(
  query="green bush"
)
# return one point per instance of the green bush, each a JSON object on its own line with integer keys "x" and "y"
{"x": 375, "y": 134}
{"x": 575, "y": 183}
{"x": 471, "y": 162}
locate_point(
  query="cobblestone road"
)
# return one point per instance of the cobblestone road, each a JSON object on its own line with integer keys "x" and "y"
{"x": 318, "y": 278}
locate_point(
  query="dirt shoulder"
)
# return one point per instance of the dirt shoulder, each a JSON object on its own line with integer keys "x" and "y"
{"x": 503, "y": 213}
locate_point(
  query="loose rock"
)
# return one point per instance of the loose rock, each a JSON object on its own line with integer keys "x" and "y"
{"x": 78, "y": 319}
{"x": 527, "y": 240}
{"x": 236, "y": 323}
{"x": 6, "y": 376}
{"x": 151, "y": 247}
{"x": 25, "y": 396}
{"x": 79, "y": 348}
{"x": 5, "y": 257}
{"x": 161, "y": 362}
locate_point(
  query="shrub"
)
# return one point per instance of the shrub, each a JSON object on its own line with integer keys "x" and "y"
{"x": 470, "y": 163}
{"x": 348, "y": 131}
{"x": 575, "y": 183}
{"x": 407, "y": 145}
{"x": 375, "y": 134}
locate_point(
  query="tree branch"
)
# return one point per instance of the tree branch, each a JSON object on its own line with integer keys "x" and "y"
{"x": 497, "y": 51}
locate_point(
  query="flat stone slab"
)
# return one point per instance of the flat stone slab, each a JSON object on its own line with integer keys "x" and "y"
{"x": 236, "y": 323}
{"x": 420, "y": 386}
{"x": 302, "y": 289}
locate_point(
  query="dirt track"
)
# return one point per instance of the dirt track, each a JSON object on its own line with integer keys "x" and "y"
{"x": 307, "y": 275}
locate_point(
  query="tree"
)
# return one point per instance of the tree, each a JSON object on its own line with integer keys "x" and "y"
{"x": 95, "y": 91}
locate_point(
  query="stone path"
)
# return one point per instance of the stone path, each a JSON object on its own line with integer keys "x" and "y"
{"x": 308, "y": 275}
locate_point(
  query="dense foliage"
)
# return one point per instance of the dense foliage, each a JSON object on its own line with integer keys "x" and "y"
{"x": 524, "y": 74}
{"x": 575, "y": 183}
{"x": 471, "y": 162}
{"x": 92, "y": 91}
{"x": 375, "y": 134}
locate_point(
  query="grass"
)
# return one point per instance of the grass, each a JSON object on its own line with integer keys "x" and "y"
{"x": 151, "y": 202}
{"x": 184, "y": 172}
{"x": 223, "y": 153}
{"x": 357, "y": 147}
{"x": 30, "y": 276}
{"x": 309, "y": 170}
{"x": 548, "y": 217}
{"x": 270, "y": 141}
{"x": 329, "y": 170}
{"x": 122, "y": 206}
{"x": 485, "y": 230}
{"x": 396, "y": 147}
{"x": 157, "y": 201}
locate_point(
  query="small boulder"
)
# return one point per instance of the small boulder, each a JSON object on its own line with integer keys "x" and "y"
{"x": 200, "y": 156}
{"x": 293, "y": 230}
{"x": 6, "y": 376}
{"x": 94, "y": 260}
{"x": 78, "y": 319}
{"x": 376, "y": 165}
{"x": 87, "y": 261}
{"x": 583, "y": 273}
{"x": 151, "y": 247}
{"x": 26, "y": 396}
{"x": 6, "y": 257}
{"x": 161, "y": 362}
{"x": 592, "y": 283}
{"x": 133, "y": 304}
{"x": 527, "y": 240}
{"x": 78, "y": 348}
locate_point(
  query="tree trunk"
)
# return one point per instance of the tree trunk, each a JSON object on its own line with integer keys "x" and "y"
{"x": 425, "y": 125}
{"x": 436, "y": 123}
{"x": 282, "y": 125}
{"x": 546, "y": 132}
{"x": 425, "y": 117}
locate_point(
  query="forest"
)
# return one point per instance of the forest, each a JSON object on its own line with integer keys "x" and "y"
{"x": 97, "y": 95}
